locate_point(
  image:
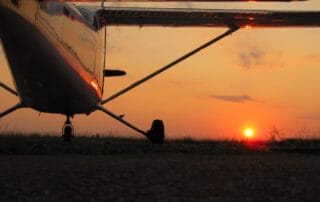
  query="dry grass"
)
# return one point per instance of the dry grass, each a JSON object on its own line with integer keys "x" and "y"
{"x": 53, "y": 145}
{"x": 296, "y": 145}
{"x": 96, "y": 145}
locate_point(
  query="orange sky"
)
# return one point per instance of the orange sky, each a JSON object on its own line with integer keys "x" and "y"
{"x": 257, "y": 77}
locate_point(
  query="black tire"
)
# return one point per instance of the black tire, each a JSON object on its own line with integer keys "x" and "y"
{"x": 67, "y": 133}
{"x": 156, "y": 133}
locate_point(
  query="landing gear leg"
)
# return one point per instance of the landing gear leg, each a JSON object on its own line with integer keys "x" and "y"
{"x": 67, "y": 131}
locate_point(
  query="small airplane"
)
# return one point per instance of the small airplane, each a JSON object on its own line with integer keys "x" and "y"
{"x": 57, "y": 49}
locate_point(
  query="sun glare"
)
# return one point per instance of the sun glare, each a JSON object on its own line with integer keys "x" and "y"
{"x": 248, "y": 132}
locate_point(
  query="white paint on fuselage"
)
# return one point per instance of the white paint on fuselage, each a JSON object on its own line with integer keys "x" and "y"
{"x": 54, "y": 59}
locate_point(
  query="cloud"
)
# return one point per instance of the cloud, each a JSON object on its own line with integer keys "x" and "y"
{"x": 251, "y": 57}
{"x": 232, "y": 98}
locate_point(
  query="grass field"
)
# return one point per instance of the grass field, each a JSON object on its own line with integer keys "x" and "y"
{"x": 53, "y": 145}
{"x": 94, "y": 145}
{"x": 43, "y": 168}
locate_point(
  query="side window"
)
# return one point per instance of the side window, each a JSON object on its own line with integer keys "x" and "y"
{"x": 95, "y": 23}
{"x": 52, "y": 8}
{"x": 66, "y": 11}
{"x": 17, "y": 3}
{"x": 103, "y": 21}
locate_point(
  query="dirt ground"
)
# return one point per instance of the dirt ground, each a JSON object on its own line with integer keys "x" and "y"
{"x": 160, "y": 177}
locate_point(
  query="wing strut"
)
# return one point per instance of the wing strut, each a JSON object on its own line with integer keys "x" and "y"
{"x": 150, "y": 76}
{"x": 14, "y": 108}
{"x": 100, "y": 107}
{"x": 7, "y": 88}
{"x": 155, "y": 134}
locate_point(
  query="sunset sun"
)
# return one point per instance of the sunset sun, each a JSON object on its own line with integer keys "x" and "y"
{"x": 248, "y": 132}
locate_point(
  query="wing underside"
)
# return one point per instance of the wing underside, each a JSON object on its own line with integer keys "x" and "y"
{"x": 209, "y": 17}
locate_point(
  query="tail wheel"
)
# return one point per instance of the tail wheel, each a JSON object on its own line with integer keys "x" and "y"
{"x": 156, "y": 133}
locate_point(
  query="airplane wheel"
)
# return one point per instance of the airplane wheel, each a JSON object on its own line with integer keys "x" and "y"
{"x": 67, "y": 133}
{"x": 156, "y": 133}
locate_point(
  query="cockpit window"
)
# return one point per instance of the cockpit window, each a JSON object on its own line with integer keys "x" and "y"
{"x": 66, "y": 11}
{"x": 96, "y": 23}
{"x": 17, "y": 3}
{"x": 90, "y": 18}
{"x": 84, "y": 15}
{"x": 52, "y": 8}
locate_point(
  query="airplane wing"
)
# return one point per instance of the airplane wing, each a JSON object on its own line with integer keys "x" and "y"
{"x": 209, "y": 17}
{"x": 190, "y": 17}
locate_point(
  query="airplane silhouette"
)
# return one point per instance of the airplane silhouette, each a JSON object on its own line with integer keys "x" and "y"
{"x": 57, "y": 50}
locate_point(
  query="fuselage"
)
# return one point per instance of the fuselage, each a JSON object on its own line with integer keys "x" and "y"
{"x": 55, "y": 54}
